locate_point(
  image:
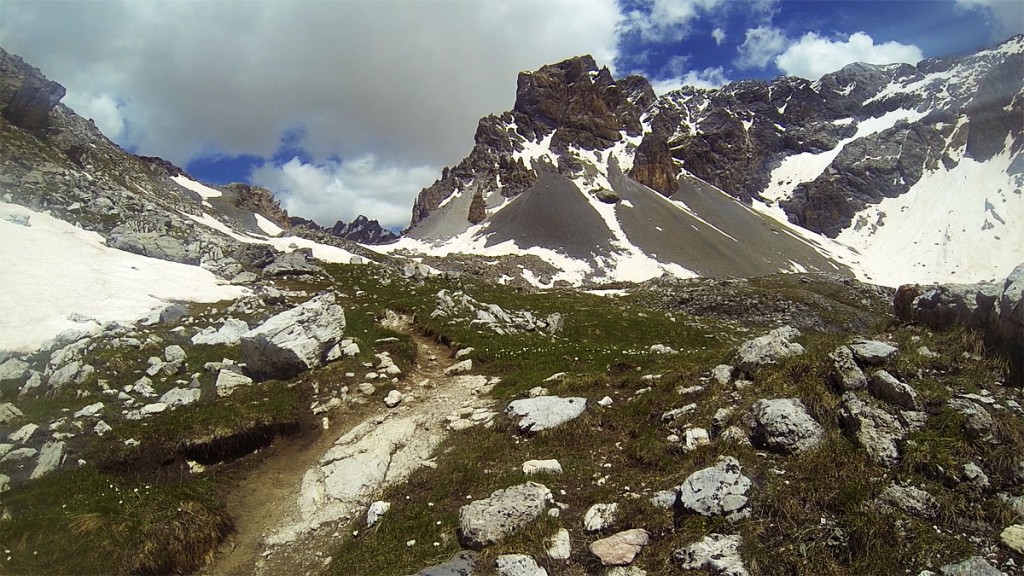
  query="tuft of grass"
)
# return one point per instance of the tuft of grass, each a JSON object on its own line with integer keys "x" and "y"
{"x": 86, "y": 522}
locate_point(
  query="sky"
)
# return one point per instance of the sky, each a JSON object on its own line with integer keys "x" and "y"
{"x": 345, "y": 107}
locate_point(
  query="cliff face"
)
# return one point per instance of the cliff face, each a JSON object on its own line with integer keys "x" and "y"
{"x": 26, "y": 96}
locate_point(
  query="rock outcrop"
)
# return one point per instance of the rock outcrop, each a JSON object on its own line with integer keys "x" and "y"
{"x": 294, "y": 340}
{"x": 490, "y": 520}
{"x": 997, "y": 309}
{"x": 26, "y": 96}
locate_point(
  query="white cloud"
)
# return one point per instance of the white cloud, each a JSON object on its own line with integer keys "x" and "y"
{"x": 104, "y": 110}
{"x": 404, "y": 83}
{"x": 760, "y": 46}
{"x": 719, "y": 35}
{"x": 707, "y": 78}
{"x": 1006, "y": 17}
{"x": 813, "y": 56}
{"x": 667, "y": 20}
{"x": 329, "y": 191}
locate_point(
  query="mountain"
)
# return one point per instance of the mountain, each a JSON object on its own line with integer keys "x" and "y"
{"x": 361, "y": 230}
{"x": 191, "y": 381}
{"x": 896, "y": 173}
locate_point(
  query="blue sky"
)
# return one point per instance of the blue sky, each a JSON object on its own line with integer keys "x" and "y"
{"x": 346, "y": 107}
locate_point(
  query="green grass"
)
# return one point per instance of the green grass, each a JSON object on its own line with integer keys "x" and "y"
{"x": 85, "y": 522}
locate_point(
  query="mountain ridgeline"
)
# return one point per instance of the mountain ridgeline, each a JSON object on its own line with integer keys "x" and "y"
{"x": 818, "y": 154}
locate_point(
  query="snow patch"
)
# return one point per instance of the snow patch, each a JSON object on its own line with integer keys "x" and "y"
{"x": 267, "y": 226}
{"x": 197, "y": 187}
{"x": 53, "y": 269}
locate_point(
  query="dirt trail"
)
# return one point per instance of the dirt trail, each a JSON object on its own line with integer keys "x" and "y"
{"x": 270, "y": 496}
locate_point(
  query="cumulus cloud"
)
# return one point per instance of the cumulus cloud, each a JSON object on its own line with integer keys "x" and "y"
{"x": 719, "y": 35}
{"x": 667, "y": 20}
{"x": 104, "y": 110}
{"x": 813, "y": 56}
{"x": 707, "y": 78}
{"x": 341, "y": 190}
{"x": 760, "y": 46}
{"x": 1006, "y": 17}
{"x": 403, "y": 84}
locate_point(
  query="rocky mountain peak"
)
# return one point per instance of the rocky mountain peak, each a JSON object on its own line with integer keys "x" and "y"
{"x": 580, "y": 103}
{"x": 260, "y": 200}
{"x": 26, "y": 96}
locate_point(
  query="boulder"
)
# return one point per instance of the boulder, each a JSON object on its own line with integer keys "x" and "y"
{"x": 294, "y": 340}
{"x": 460, "y": 367}
{"x": 560, "y": 545}
{"x": 13, "y": 369}
{"x": 620, "y": 548}
{"x": 973, "y": 566}
{"x": 767, "y": 349}
{"x": 887, "y": 388}
{"x": 909, "y": 499}
{"x": 722, "y": 373}
{"x": 717, "y": 553}
{"x": 783, "y": 425}
{"x": 230, "y": 333}
{"x": 51, "y": 457}
{"x": 1013, "y": 538}
{"x": 977, "y": 421}
{"x": 295, "y": 262}
{"x": 485, "y": 522}
{"x": 180, "y": 397}
{"x": 846, "y": 374}
{"x": 718, "y": 490}
{"x": 531, "y": 467}
{"x": 600, "y": 516}
{"x": 517, "y": 565}
{"x": 23, "y": 434}
{"x": 872, "y": 351}
{"x": 874, "y": 429}
{"x": 375, "y": 511}
{"x": 459, "y": 565}
{"x": 228, "y": 380}
{"x": 9, "y": 412}
{"x": 545, "y": 412}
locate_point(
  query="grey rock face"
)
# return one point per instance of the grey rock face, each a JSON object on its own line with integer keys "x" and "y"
{"x": 545, "y": 412}
{"x": 845, "y": 372}
{"x": 721, "y": 489}
{"x": 490, "y": 520}
{"x": 784, "y": 425}
{"x": 768, "y": 349}
{"x": 26, "y": 96}
{"x": 875, "y": 430}
{"x": 887, "y": 388}
{"x": 153, "y": 245}
{"x": 998, "y": 309}
{"x": 294, "y": 340}
{"x": 872, "y": 351}
{"x": 717, "y": 553}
